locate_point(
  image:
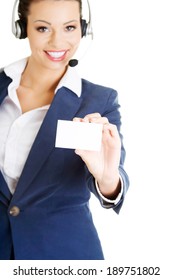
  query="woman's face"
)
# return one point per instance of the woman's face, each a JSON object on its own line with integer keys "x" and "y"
{"x": 54, "y": 32}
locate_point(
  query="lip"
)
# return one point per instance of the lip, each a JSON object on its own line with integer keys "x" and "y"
{"x": 56, "y": 56}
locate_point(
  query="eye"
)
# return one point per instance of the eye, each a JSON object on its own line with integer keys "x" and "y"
{"x": 42, "y": 29}
{"x": 70, "y": 27}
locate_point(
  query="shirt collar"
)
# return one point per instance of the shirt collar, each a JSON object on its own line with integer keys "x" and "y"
{"x": 70, "y": 80}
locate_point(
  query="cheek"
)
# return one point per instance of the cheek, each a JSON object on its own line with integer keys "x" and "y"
{"x": 75, "y": 42}
{"x": 74, "y": 38}
{"x": 35, "y": 43}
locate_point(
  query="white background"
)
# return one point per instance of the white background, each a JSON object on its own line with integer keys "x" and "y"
{"x": 132, "y": 52}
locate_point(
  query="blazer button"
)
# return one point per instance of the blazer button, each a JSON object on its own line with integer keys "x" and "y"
{"x": 14, "y": 211}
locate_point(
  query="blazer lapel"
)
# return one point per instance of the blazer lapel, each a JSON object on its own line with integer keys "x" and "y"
{"x": 64, "y": 106}
{"x": 5, "y": 195}
{"x": 4, "y": 82}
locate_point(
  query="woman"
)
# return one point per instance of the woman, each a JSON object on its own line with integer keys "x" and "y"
{"x": 44, "y": 191}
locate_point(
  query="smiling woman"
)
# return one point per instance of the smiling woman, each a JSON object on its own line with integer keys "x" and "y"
{"x": 54, "y": 33}
{"x": 45, "y": 191}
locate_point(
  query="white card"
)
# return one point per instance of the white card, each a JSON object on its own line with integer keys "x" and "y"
{"x": 78, "y": 135}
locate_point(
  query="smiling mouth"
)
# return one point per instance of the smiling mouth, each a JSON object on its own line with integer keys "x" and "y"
{"x": 56, "y": 55}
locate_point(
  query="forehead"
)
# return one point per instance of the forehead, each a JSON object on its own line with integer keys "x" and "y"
{"x": 56, "y": 4}
{"x": 54, "y": 11}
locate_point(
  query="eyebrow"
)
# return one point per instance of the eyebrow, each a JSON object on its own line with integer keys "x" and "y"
{"x": 39, "y": 20}
{"x": 44, "y": 21}
{"x": 70, "y": 21}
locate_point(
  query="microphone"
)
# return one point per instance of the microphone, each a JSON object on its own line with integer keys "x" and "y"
{"x": 73, "y": 62}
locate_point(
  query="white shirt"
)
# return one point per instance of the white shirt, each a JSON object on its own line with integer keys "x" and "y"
{"x": 18, "y": 130}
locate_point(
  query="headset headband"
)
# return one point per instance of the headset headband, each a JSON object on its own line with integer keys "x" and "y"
{"x": 19, "y": 27}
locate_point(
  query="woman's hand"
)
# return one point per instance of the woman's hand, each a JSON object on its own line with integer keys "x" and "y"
{"x": 103, "y": 165}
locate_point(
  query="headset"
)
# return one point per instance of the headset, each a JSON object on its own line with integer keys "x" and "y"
{"x": 19, "y": 26}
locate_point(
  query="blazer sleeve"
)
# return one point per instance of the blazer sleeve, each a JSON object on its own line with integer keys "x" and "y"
{"x": 112, "y": 112}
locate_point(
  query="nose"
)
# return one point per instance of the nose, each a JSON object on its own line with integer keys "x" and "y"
{"x": 56, "y": 38}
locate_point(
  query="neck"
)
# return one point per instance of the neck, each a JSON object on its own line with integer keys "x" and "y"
{"x": 38, "y": 77}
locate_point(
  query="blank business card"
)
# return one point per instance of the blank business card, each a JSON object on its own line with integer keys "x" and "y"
{"x": 78, "y": 135}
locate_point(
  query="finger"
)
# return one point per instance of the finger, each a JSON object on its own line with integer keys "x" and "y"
{"x": 110, "y": 129}
{"x": 101, "y": 120}
{"x": 92, "y": 116}
{"x": 81, "y": 153}
{"x": 77, "y": 119}
{"x": 111, "y": 135}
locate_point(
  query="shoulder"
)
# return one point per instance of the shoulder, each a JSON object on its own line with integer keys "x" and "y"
{"x": 98, "y": 93}
{"x": 93, "y": 87}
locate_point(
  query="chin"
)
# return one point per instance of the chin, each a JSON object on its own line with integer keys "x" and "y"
{"x": 56, "y": 66}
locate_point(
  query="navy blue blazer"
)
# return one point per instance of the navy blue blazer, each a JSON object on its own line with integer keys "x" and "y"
{"x": 48, "y": 216}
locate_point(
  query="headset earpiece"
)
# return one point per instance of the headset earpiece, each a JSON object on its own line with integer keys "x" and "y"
{"x": 18, "y": 26}
{"x": 84, "y": 27}
{"x": 20, "y": 29}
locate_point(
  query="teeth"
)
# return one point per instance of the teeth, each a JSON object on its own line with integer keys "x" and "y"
{"x": 56, "y": 54}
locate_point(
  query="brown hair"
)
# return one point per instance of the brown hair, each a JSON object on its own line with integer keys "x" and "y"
{"x": 24, "y": 5}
